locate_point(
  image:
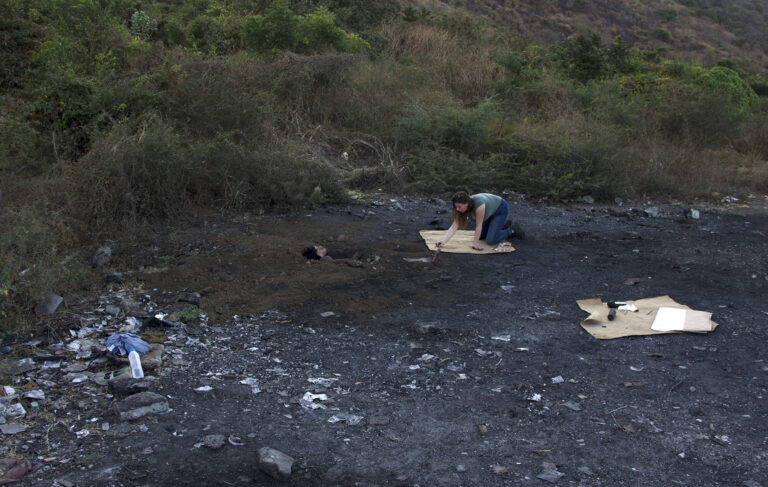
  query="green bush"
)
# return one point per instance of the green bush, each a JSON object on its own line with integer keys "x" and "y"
{"x": 142, "y": 25}
{"x": 583, "y": 57}
{"x": 18, "y": 36}
{"x": 533, "y": 169}
{"x": 727, "y": 82}
{"x": 279, "y": 28}
{"x": 667, "y": 14}
{"x": 460, "y": 129}
{"x": 662, "y": 34}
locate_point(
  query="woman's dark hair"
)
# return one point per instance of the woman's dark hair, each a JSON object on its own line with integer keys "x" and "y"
{"x": 310, "y": 253}
{"x": 461, "y": 218}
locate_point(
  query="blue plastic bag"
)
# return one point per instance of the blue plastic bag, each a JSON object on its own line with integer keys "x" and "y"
{"x": 122, "y": 343}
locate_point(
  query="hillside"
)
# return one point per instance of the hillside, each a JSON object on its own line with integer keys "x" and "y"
{"x": 707, "y": 31}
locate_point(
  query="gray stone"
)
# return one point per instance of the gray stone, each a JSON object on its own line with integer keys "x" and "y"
{"x": 111, "y": 309}
{"x": 214, "y": 441}
{"x": 192, "y": 298}
{"x": 102, "y": 256}
{"x": 573, "y": 406}
{"x": 141, "y": 404}
{"x": 588, "y": 200}
{"x": 275, "y": 463}
{"x": 50, "y": 303}
{"x": 12, "y": 428}
{"x": 129, "y": 386}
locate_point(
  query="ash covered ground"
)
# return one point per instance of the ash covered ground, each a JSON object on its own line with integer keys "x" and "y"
{"x": 376, "y": 370}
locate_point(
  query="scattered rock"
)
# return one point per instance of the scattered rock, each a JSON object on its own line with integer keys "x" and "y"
{"x": 141, "y": 404}
{"x": 50, "y": 303}
{"x": 102, "y": 256}
{"x": 191, "y": 298}
{"x": 13, "y": 469}
{"x": 214, "y": 442}
{"x": 12, "y": 428}
{"x": 275, "y": 463}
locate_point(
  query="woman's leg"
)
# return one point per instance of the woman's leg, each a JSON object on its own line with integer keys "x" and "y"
{"x": 493, "y": 230}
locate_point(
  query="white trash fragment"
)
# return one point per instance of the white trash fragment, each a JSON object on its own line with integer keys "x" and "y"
{"x": 308, "y": 401}
{"x": 635, "y": 369}
{"x": 558, "y": 380}
{"x": 82, "y": 433}
{"x": 203, "y": 389}
{"x": 322, "y": 381}
{"x": 535, "y": 397}
{"x": 351, "y": 419}
{"x": 327, "y": 314}
{"x": 250, "y": 381}
{"x": 37, "y": 395}
{"x": 502, "y": 338}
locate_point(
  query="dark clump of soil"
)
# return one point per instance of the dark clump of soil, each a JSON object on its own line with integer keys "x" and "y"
{"x": 469, "y": 370}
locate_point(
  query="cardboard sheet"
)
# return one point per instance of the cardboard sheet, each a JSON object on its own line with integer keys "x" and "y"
{"x": 461, "y": 243}
{"x": 629, "y": 323}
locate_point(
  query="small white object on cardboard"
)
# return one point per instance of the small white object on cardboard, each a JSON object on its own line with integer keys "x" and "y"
{"x": 676, "y": 319}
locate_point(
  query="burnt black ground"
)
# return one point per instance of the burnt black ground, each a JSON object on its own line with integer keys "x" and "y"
{"x": 418, "y": 351}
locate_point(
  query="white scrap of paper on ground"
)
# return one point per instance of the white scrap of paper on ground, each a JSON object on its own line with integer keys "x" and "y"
{"x": 677, "y": 319}
{"x": 669, "y": 319}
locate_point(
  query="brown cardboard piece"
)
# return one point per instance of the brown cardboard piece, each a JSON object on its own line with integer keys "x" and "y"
{"x": 628, "y": 323}
{"x": 461, "y": 243}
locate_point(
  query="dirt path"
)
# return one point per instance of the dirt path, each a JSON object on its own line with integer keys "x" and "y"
{"x": 429, "y": 369}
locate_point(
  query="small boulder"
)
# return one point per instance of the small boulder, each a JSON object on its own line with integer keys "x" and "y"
{"x": 50, "y": 303}
{"x": 141, "y": 404}
{"x": 275, "y": 463}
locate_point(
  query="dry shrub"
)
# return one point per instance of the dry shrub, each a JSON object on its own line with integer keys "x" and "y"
{"x": 548, "y": 101}
{"x": 469, "y": 76}
{"x": 463, "y": 66}
{"x": 414, "y": 40}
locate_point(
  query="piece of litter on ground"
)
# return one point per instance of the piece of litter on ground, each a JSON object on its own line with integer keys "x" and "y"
{"x": 502, "y": 338}
{"x": 551, "y": 476}
{"x": 327, "y": 314}
{"x": 535, "y": 397}
{"x": 308, "y": 401}
{"x": 351, "y": 419}
{"x": 250, "y": 381}
{"x": 558, "y": 380}
{"x": 203, "y": 389}
{"x": 636, "y": 369}
{"x": 572, "y": 406}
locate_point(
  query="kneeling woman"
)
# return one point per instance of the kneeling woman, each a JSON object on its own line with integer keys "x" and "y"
{"x": 490, "y": 213}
